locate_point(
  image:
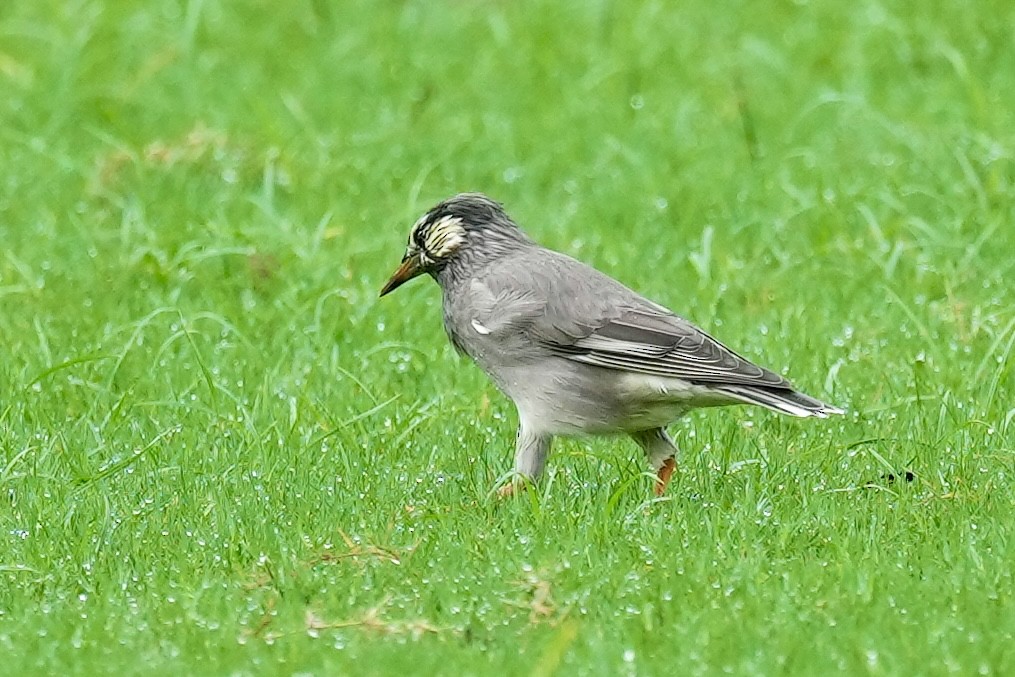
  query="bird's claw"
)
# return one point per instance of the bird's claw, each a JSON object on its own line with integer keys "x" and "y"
{"x": 663, "y": 475}
{"x": 513, "y": 488}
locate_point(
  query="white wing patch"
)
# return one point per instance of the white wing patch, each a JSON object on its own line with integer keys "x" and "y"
{"x": 480, "y": 329}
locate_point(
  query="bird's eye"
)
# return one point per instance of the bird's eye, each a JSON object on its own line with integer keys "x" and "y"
{"x": 413, "y": 250}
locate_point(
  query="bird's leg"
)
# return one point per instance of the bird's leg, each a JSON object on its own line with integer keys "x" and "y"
{"x": 664, "y": 474}
{"x": 530, "y": 459}
{"x": 661, "y": 452}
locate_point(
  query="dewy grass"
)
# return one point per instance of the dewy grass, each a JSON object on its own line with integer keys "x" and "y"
{"x": 221, "y": 454}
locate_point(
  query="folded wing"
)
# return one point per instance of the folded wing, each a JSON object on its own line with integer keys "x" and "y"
{"x": 585, "y": 316}
{"x": 646, "y": 342}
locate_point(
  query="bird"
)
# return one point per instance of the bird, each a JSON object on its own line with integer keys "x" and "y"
{"x": 579, "y": 353}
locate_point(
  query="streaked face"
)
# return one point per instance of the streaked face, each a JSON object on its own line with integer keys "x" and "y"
{"x": 432, "y": 240}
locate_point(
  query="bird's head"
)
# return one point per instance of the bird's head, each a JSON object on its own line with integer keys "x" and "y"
{"x": 468, "y": 226}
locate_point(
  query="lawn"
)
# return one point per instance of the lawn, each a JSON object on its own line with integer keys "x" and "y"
{"x": 222, "y": 454}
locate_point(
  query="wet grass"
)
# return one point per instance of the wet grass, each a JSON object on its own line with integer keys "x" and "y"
{"x": 221, "y": 454}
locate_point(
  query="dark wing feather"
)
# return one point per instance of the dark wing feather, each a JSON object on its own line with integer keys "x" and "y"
{"x": 662, "y": 344}
{"x": 583, "y": 315}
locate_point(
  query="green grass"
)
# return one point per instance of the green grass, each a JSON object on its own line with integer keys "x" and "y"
{"x": 220, "y": 453}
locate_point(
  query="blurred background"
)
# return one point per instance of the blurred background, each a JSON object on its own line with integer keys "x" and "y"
{"x": 200, "y": 199}
{"x": 251, "y": 161}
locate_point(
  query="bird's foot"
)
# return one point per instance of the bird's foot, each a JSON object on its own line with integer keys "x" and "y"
{"x": 664, "y": 474}
{"x": 512, "y": 488}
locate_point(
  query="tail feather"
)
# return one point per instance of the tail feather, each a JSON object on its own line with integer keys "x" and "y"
{"x": 782, "y": 400}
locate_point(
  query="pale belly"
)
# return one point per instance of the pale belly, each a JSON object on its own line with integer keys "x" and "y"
{"x": 579, "y": 400}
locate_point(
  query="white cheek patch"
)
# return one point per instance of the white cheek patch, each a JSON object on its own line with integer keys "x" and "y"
{"x": 480, "y": 329}
{"x": 445, "y": 236}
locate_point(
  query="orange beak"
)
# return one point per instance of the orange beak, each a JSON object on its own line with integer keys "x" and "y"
{"x": 409, "y": 269}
